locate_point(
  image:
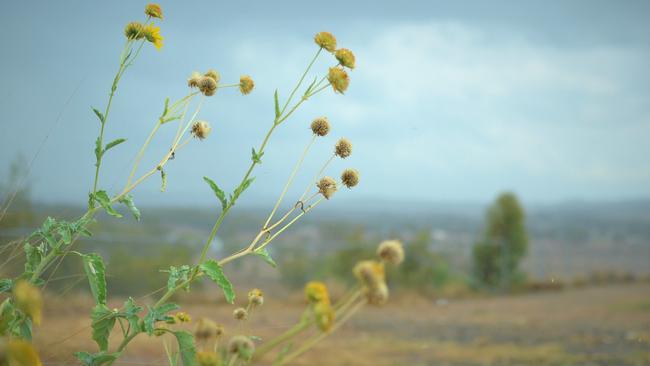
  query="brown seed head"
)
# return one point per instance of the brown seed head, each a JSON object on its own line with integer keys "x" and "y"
{"x": 326, "y": 187}
{"x": 256, "y": 297}
{"x": 206, "y": 329}
{"x": 345, "y": 57}
{"x": 153, "y": 10}
{"x": 207, "y": 86}
{"x": 246, "y": 84}
{"x": 193, "y": 81}
{"x": 214, "y": 74}
{"x": 343, "y": 148}
{"x": 350, "y": 177}
{"x": 242, "y": 346}
{"x": 201, "y": 129}
{"x": 391, "y": 251}
{"x": 320, "y": 126}
{"x": 326, "y": 40}
{"x": 377, "y": 295}
{"x": 339, "y": 79}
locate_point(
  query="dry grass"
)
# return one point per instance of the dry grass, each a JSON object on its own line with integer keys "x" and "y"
{"x": 591, "y": 326}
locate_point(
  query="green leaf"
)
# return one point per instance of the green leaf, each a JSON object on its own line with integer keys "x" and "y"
{"x": 241, "y": 189}
{"x": 6, "y": 285}
{"x": 177, "y": 274}
{"x": 33, "y": 257}
{"x": 217, "y": 191}
{"x": 96, "y": 273}
{"x": 99, "y": 115}
{"x": 131, "y": 311}
{"x": 65, "y": 231}
{"x": 186, "y": 347}
{"x": 277, "y": 105}
{"x": 257, "y": 158}
{"x": 103, "y": 320}
{"x": 310, "y": 87}
{"x": 157, "y": 314}
{"x": 128, "y": 201}
{"x": 264, "y": 254}
{"x": 96, "y": 359}
{"x": 105, "y": 202}
{"x": 213, "y": 270}
{"x": 98, "y": 150}
{"x": 113, "y": 143}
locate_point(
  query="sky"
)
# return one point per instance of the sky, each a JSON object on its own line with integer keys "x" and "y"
{"x": 450, "y": 101}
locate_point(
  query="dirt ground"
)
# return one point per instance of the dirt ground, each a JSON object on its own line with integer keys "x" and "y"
{"x": 590, "y": 326}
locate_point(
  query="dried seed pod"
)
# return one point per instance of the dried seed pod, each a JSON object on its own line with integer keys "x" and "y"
{"x": 201, "y": 129}
{"x": 326, "y": 187}
{"x": 240, "y": 314}
{"x": 320, "y": 126}
{"x": 350, "y": 177}
{"x": 343, "y": 148}
{"x": 207, "y": 86}
{"x": 391, "y": 251}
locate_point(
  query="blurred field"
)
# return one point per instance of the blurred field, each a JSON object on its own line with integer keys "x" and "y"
{"x": 589, "y": 326}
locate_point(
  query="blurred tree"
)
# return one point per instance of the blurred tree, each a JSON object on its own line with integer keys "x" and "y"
{"x": 505, "y": 243}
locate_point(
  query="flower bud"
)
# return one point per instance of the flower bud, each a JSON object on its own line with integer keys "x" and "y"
{"x": 153, "y": 10}
{"x": 345, "y": 58}
{"x": 246, "y": 84}
{"x": 214, "y": 74}
{"x": 320, "y": 126}
{"x": 256, "y": 297}
{"x": 326, "y": 187}
{"x": 324, "y": 315}
{"x": 339, "y": 79}
{"x": 134, "y": 30}
{"x": 391, "y": 251}
{"x": 201, "y": 129}
{"x": 242, "y": 346}
{"x": 240, "y": 314}
{"x": 326, "y": 40}
{"x": 316, "y": 291}
{"x": 350, "y": 177}
{"x": 343, "y": 148}
{"x": 182, "y": 317}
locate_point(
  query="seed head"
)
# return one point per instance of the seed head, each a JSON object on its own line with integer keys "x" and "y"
{"x": 214, "y": 74}
{"x": 134, "y": 30}
{"x": 246, "y": 84}
{"x": 343, "y": 148}
{"x": 370, "y": 273}
{"x": 256, "y": 297}
{"x": 377, "y": 295}
{"x": 29, "y": 300}
{"x": 324, "y": 315}
{"x": 153, "y": 10}
{"x": 316, "y": 291}
{"x": 207, "y": 86}
{"x": 206, "y": 329}
{"x": 320, "y": 126}
{"x": 182, "y": 317}
{"x": 326, "y": 187}
{"x": 152, "y": 34}
{"x": 201, "y": 129}
{"x": 325, "y": 40}
{"x": 240, "y": 314}
{"x": 391, "y": 251}
{"x": 208, "y": 358}
{"x": 345, "y": 57}
{"x": 339, "y": 79}
{"x": 350, "y": 177}
{"x": 242, "y": 346}
{"x": 193, "y": 81}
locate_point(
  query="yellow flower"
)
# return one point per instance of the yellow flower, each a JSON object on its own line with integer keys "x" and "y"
{"x": 246, "y": 84}
{"x": 339, "y": 79}
{"x": 153, "y": 10}
{"x": 324, "y": 315}
{"x": 345, "y": 57}
{"x": 326, "y": 40}
{"x": 152, "y": 33}
{"x": 29, "y": 300}
{"x": 316, "y": 292}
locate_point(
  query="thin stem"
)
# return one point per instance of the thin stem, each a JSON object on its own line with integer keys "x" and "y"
{"x": 293, "y": 92}
{"x": 141, "y": 152}
{"x": 311, "y": 207}
{"x": 292, "y": 332}
{"x": 314, "y": 340}
{"x": 318, "y": 175}
{"x": 290, "y": 180}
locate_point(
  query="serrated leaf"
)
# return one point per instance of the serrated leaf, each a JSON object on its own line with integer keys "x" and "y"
{"x": 177, "y": 274}
{"x": 157, "y": 314}
{"x": 113, "y": 143}
{"x": 218, "y": 192}
{"x": 96, "y": 273}
{"x": 33, "y": 257}
{"x": 128, "y": 201}
{"x": 96, "y": 359}
{"x": 239, "y": 190}
{"x": 310, "y": 86}
{"x": 264, "y": 254}
{"x": 105, "y": 201}
{"x": 66, "y": 234}
{"x": 213, "y": 270}
{"x": 6, "y": 284}
{"x": 277, "y": 104}
{"x": 257, "y": 158}
{"x": 99, "y": 115}
{"x": 186, "y": 347}
{"x": 103, "y": 320}
{"x": 131, "y": 311}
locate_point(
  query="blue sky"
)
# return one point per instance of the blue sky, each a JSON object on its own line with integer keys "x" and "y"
{"x": 449, "y": 102}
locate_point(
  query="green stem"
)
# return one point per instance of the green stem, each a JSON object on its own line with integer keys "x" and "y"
{"x": 293, "y": 92}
